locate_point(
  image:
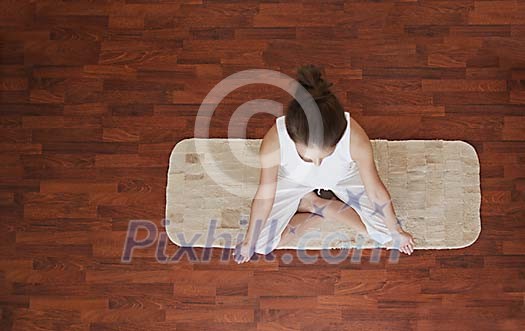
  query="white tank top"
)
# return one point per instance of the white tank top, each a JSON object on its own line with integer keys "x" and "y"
{"x": 333, "y": 168}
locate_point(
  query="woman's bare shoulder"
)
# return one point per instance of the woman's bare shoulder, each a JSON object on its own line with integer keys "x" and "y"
{"x": 356, "y": 129}
{"x": 359, "y": 140}
{"x": 269, "y": 150}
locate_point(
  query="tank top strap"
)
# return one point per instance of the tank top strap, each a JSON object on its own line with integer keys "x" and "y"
{"x": 342, "y": 148}
{"x": 284, "y": 143}
{"x": 345, "y": 140}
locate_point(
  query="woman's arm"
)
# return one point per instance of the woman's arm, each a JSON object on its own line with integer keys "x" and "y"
{"x": 362, "y": 152}
{"x": 262, "y": 203}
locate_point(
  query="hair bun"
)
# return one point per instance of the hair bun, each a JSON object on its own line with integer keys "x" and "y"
{"x": 311, "y": 78}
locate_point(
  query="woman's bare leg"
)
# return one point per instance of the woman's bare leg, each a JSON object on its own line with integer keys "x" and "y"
{"x": 332, "y": 209}
{"x": 299, "y": 225}
{"x": 306, "y": 219}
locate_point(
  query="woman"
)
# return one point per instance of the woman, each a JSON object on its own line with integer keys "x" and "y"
{"x": 289, "y": 197}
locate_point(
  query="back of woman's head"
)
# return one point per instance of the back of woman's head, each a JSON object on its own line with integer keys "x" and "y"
{"x": 331, "y": 110}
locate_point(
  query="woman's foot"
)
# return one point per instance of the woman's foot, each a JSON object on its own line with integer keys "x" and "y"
{"x": 332, "y": 210}
{"x": 306, "y": 204}
{"x": 327, "y": 194}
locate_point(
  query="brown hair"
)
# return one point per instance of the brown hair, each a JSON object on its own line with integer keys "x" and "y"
{"x": 331, "y": 110}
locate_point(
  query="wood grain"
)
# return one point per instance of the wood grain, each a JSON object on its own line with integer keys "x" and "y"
{"x": 94, "y": 95}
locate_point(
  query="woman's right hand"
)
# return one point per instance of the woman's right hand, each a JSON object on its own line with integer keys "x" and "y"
{"x": 405, "y": 240}
{"x": 243, "y": 251}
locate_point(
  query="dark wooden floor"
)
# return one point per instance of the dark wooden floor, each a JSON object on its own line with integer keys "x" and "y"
{"x": 95, "y": 94}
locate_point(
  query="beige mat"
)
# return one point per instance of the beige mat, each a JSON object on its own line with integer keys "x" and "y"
{"x": 434, "y": 185}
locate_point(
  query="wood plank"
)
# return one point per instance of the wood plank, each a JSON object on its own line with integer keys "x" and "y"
{"x": 95, "y": 95}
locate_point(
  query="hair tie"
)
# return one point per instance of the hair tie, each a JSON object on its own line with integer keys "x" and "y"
{"x": 322, "y": 96}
